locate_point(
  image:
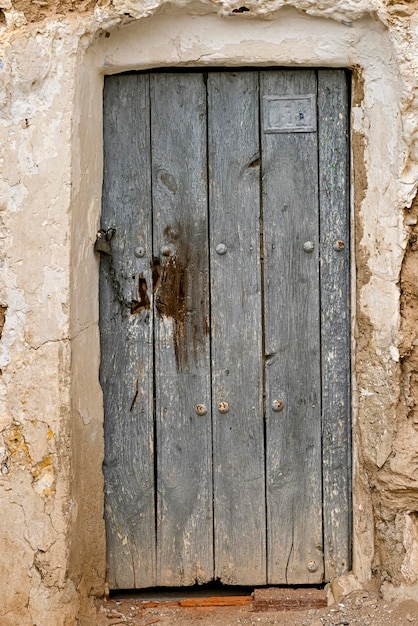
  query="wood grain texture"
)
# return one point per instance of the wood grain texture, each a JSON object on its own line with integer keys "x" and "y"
{"x": 126, "y": 336}
{"x": 287, "y": 599}
{"x": 292, "y": 344}
{"x": 236, "y": 328}
{"x": 335, "y": 317}
{"x": 269, "y": 318}
{"x": 182, "y": 352}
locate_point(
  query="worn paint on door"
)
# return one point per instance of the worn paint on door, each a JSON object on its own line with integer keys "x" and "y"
{"x": 224, "y": 316}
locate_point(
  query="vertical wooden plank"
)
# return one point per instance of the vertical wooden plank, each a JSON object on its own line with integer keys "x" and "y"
{"x": 126, "y": 336}
{"x": 182, "y": 353}
{"x": 333, "y": 118}
{"x": 237, "y": 371}
{"x": 291, "y": 285}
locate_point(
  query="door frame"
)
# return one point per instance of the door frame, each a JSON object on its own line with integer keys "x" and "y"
{"x": 200, "y": 39}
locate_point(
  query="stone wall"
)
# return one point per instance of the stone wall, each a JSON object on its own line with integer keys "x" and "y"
{"x": 53, "y": 56}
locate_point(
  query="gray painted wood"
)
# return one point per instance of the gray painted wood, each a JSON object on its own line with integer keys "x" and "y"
{"x": 182, "y": 353}
{"x": 155, "y": 195}
{"x": 335, "y": 317}
{"x": 292, "y": 344}
{"x": 236, "y": 328}
{"x": 126, "y": 336}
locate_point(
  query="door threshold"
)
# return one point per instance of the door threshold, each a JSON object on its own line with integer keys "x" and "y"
{"x": 260, "y": 598}
{"x": 289, "y": 598}
{"x": 188, "y": 596}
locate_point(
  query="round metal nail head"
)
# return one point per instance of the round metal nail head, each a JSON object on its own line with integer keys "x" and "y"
{"x": 221, "y": 248}
{"x": 139, "y": 252}
{"x": 201, "y": 409}
{"x": 312, "y": 566}
{"x": 166, "y": 251}
{"x": 277, "y": 405}
{"x": 338, "y": 245}
{"x": 223, "y": 407}
{"x": 309, "y": 246}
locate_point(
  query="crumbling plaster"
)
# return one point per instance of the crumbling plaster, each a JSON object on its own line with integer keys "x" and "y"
{"x": 53, "y": 56}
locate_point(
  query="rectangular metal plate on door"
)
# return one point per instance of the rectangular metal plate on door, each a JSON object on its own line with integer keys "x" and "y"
{"x": 289, "y": 114}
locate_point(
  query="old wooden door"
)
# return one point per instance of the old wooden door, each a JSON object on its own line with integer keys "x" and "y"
{"x": 224, "y": 322}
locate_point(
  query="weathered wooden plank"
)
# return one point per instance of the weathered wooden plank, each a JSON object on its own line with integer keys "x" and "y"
{"x": 180, "y": 306}
{"x": 287, "y": 599}
{"x": 335, "y": 317}
{"x": 126, "y": 336}
{"x": 182, "y": 366}
{"x": 237, "y": 369}
{"x": 291, "y": 285}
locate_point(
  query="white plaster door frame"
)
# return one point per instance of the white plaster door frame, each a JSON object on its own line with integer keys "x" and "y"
{"x": 195, "y": 36}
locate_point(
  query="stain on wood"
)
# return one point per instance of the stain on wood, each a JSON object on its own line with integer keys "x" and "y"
{"x": 183, "y": 468}
{"x": 155, "y": 266}
{"x": 143, "y": 301}
{"x": 179, "y": 294}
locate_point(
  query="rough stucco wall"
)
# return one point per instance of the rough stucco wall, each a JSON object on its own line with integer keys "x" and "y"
{"x": 35, "y": 349}
{"x": 51, "y": 530}
{"x": 395, "y": 485}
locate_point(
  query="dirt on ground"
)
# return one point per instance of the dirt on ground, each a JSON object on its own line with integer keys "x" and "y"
{"x": 360, "y": 608}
